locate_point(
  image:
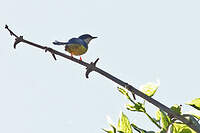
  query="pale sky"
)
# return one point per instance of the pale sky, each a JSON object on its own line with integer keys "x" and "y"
{"x": 138, "y": 42}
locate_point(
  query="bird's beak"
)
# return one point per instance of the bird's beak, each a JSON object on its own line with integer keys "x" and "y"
{"x": 94, "y": 37}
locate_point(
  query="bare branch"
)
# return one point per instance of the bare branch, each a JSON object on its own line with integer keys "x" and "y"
{"x": 92, "y": 67}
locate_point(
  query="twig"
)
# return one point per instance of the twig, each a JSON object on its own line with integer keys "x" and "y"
{"x": 92, "y": 67}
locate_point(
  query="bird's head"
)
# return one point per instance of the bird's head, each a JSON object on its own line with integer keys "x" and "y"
{"x": 87, "y": 38}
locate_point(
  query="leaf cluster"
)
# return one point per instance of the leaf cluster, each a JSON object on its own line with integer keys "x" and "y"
{"x": 166, "y": 123}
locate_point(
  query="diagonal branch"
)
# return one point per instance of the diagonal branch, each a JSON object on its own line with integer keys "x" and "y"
{"x": 92, "y": 67}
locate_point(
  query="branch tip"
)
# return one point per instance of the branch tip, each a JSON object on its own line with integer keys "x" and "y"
{"x": 11, "y": 33}
{"x": 6, "y": 26}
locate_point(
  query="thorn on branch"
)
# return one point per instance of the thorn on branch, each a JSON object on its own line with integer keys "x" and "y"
{"x": 18, "y": 40}
{"x": 127, "y": 86}
{"x": 90, "y": 68}
{"x": 51, "y": 51}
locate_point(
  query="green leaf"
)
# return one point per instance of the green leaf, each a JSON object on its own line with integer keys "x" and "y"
{"x": 124, "y": 124}
{"x": 130, "y": 107}
{"x": 180, "y": 128}
{"x": 195, "y": 103}
{"x": 125, "y": 93}
{"x": 136, "y": 107}
{"x": 150, "y": 88}
{"x": 176, "y": 108}
{"x": 112, "y": 125}
{"x": 107, "y": 131}
{"x": 141, "y": 130}
{"x": 165, "y": 120}
{"x": 158, "y": 115}
{"x": 137, "y": 128}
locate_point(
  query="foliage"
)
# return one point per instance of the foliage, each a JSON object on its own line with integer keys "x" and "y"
{"x": 180, "y": 128}
{"x": 195, "y": 103}
{"x": 150, "y": 88}
{"x": 165, "y": 122}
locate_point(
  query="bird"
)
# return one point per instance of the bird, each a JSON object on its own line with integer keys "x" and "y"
{"x": 76, "y": 46}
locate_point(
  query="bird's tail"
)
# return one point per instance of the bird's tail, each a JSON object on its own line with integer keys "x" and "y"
{"x": 58, "y": 43}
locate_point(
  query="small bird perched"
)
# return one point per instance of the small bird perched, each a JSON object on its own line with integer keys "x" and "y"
{"x": 77, "y": 46}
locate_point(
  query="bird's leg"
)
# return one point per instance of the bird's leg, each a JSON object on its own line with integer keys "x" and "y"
{"x": 71, "y": 55}
{"x": 80, "y": 58}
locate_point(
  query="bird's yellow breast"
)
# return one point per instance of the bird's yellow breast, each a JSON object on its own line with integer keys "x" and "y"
{"x": 76, "y": 49}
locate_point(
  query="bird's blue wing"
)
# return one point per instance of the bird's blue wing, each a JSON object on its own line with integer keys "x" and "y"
{"x": 77, "y": 41}
{"x": 71, "y": 41}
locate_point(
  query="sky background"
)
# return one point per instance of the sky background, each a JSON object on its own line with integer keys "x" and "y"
{"x": 138, "y": 42}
